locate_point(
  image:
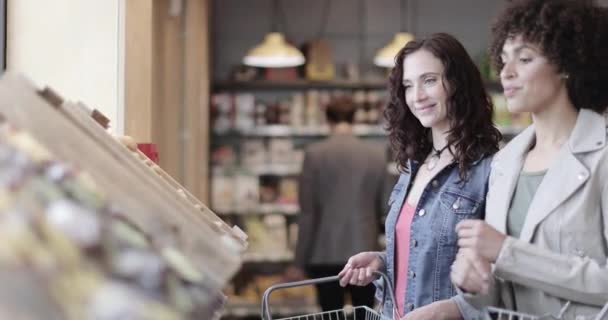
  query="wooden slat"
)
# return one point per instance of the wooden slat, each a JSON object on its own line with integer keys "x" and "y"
{"x": 168, "y": 83}
{"x": 196, "y": 115}
{"x": 156, "y": 212}
{"x": 138, "y": 69}
{"x": 163, "y": 183}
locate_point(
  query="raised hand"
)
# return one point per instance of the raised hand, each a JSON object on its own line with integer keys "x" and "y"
{"x": 480, "y": 237}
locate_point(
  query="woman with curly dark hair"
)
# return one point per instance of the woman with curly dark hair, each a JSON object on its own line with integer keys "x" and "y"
{"x": 440, "y": 126}
{"x": 543, "y": 248}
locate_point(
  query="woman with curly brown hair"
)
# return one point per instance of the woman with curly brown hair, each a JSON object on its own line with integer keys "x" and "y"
{"x": 543, "y": 248}
{"x": 440, "y": 126}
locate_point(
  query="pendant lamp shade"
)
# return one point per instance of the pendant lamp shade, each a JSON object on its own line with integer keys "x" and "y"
{"x": 274, "y": 52}
{"x": 385, "y": 57}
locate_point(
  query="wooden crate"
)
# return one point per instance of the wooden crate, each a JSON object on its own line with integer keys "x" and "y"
{"x": 172, "y": 218}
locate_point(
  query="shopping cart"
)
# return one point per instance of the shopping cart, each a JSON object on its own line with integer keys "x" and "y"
{"x": 491, "y": 313}
{"x": 357, "y": 312}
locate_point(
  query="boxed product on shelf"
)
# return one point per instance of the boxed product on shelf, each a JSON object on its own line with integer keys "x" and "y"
{"x": 280, "y": 150}
{"x": 288, "y": 191}
{"x": 246, "y": 192}
{"x": 375, "y": 102}
{"x": 224, "y": 156}
{"x": 244, "y": 104}
{"x": 312, "y": 109}
{"x": 253, "y": 153}
{"x": 222, "y": 190}
{"x": 276, "y": 232}
{"x": 222, "y": 112}
{"x": 269, "y": 189}
{"x": 296, "y": 112}
{"x": 260, "y": 114}
{"x": 267, "y": 237}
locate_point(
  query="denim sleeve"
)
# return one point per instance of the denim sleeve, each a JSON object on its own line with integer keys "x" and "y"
{"x": 467, "y": 311}
{"x": 471, "y": 305}
{"x": 378, "y": 282}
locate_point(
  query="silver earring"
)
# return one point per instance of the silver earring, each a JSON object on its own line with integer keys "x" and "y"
{"x": 565, "y": 76}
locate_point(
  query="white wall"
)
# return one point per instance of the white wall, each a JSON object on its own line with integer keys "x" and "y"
{"x": 73, "y": 46}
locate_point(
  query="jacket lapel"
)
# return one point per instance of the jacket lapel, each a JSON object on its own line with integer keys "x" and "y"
{"x": 568, "y": 173}
{"x": 562, "y": 179}
{"x": 506, "y": 168}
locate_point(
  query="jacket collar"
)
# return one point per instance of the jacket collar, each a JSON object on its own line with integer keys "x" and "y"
{"x": 589, "y": 134}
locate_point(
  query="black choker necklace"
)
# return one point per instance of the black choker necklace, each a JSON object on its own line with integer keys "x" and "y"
{"x": 435, "y": 156}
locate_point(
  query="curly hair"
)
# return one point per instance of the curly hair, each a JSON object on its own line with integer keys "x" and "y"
{"x": 472, "y": 133}
{"x": 572, "y": 35}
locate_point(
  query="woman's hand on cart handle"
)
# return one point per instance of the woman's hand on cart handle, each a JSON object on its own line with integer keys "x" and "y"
{"x": 360, "y": 268}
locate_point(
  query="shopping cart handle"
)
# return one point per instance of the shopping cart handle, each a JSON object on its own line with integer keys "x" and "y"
{"x": 266, "y": 315}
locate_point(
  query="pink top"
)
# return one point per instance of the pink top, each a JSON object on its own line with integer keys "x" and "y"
{"x": 402, "y": 252}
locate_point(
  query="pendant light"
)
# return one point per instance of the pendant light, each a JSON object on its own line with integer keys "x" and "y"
{"x": 274, "y": 51}
{"x": 385, "y": 57}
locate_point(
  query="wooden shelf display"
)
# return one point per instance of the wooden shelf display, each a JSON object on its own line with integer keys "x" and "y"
{"x": 195, "y": 252}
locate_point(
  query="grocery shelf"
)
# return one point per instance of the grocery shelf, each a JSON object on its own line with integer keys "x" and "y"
{"x": 303, "y": 84}
{"x": 251, "y": 257}
{"x": 300, "y": 84}
{"x": 274, "y": 169}
{"x": 279, "y": 208}
{"x": 280, "y": 130}
{"x": 285, "y": 209}
{"x": 294, "y": 131}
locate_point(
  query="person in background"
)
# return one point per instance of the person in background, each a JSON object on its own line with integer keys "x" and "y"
{"x": 543, "y": 248}
{"x": 342, "y": 197}
{"x": 441, "y": 129}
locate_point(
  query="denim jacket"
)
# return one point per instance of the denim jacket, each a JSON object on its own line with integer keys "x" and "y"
{"x": 445, "y": 201}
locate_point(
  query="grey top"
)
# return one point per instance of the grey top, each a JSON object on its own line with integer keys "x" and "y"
{"x": 342, "y": 198}
{"x": 527, "y": 184}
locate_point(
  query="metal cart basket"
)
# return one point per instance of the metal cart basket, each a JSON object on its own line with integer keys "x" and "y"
{"x": 491, "y": 313}
{"x": 357, "y": 312}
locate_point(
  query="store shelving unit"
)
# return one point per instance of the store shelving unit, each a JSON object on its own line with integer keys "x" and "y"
{"x": 275, "y": 172}
{"x": 300, "y": 84}
{"x": 265, "y": 209}
{"x": 301, "y": 135}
